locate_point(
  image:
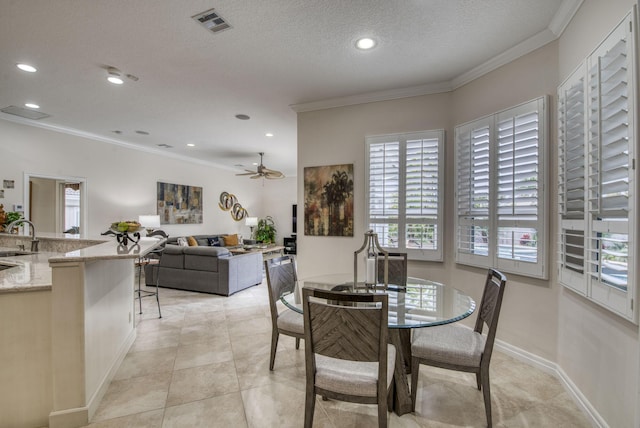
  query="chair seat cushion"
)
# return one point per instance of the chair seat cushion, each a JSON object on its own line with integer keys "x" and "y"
{"x": 352, "y": 377}
{"x": 289, "y": 320}
{"x": 449, "y": 344}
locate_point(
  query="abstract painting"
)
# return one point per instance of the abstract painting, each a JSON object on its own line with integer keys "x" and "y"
{"x": 179, "y": 204}
{"x": 328, "y": 200}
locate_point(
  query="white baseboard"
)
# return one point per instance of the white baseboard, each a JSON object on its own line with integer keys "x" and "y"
{"x": 553, "y": 369}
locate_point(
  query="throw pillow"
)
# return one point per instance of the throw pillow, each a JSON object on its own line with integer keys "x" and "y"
{"x": 230, "y": 240}
{"x": 192, "y": 241}
{"x": 214, "y": 242}
{"x": 182, "y": 241}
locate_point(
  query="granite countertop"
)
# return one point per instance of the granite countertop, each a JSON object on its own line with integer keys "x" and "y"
{"x": 32, "y": 272}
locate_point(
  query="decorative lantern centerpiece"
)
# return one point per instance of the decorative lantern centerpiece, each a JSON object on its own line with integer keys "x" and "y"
{"x": 372, "y": 253}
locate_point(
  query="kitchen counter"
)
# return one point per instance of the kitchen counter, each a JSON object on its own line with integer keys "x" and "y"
{"x": 67, "y": 313}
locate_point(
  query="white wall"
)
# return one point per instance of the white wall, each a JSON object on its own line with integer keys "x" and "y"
{"x": 121, "y": 182}
{"x": 278, "y": 197}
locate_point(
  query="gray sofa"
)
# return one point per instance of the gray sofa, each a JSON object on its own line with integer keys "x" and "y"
{"x": 205, "y": 269}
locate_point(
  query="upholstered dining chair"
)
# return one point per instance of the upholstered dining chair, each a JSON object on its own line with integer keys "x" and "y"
{"x": 282, "y": 278}
{"x": 456, "y": 347}
{"x": 397, "y": 268}
{"x": 346, "y": 351}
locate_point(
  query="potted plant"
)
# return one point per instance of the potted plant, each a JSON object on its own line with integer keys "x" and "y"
{"x": 10, "y": 218}
{"x": 266, "y": 230}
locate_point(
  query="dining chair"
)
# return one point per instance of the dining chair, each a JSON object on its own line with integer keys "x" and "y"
{"x": 282, "y": 278}
{"x": 396, "y": 267}
{"x": 346, "y": 351}
{"x": 456, "y": 347}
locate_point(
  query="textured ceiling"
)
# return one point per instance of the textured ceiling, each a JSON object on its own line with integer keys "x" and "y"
{"x": 277, "y": 54}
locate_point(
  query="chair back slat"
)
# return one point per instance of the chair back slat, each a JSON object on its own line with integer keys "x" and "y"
{"x": 490, "y": 305}
{"x": 281, "y": 278}
{"x": 397, "y": 268}
{"x": 348, "y": 326}
{"x": 343, "y": 333}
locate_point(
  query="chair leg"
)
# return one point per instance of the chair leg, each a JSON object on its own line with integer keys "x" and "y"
{"x": 415, "y": 370}
{"x": 297, "y": 343}
{"x": 309, "y": 407}
{"x": 382, "y": 412}
{"x": 486, "y": 393}
{"x": 479, "y": 380}
{"x": 274, "y": 345}
{"x": 157, "y": 293}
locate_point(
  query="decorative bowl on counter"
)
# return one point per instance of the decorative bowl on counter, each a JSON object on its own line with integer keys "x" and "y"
{"x": 125, "y": 226}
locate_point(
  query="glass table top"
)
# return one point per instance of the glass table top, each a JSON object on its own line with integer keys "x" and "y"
{"x": 422, "y": 303}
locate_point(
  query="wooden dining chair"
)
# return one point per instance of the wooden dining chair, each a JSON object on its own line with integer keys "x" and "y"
{"x": 346, "y": 350}
{"x": 281, "y": 279}
{"x": 396, "y": 267}
{"x": 456, "y": 347}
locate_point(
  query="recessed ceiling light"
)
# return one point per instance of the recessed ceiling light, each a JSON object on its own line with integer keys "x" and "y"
{"x": 268, "y": 134}
{"x": 27, "y": 67}
{"x": 190, "y": 145}
{"x": 115, "y": 80}
{"x": 365, "y": 43}
{"x": 32, "y": 105}
{"x": 113, "y": 76}
{"x": 242, "y": 117}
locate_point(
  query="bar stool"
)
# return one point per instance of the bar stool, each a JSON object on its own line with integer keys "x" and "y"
{"x": 141, "y": 262}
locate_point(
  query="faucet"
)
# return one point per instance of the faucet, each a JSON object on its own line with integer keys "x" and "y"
{"x": 34, "y": 240}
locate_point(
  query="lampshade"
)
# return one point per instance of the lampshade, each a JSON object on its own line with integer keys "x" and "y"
{"x": 149, "y": 221}
{"x": 251, "y": 221}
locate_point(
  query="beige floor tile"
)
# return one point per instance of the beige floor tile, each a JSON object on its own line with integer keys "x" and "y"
{"x": 148, "y": 340}
{"x": 250, "y": 345}
{"x": 198, "y": 317}
{"x": 234, "y": 316}
{"x": 254, "y": 371}
{"x": 203, "y": 331}
{"x": 223, "y": 411}
{"x": 201, "y": 382}
{"x": 205, "y": 352}
{"x": 131, "y": 396}
{"x": 277, "y": 405}
{"x": 251, "y": 326}
{"x": 143, "y": 363}
{"x": 151, "y": 419}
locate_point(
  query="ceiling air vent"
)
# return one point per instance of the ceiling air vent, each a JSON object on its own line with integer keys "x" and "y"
{"x": 211, "y": 21}
{"x": 24, "y": 112}
{"x": 166, "y": 146}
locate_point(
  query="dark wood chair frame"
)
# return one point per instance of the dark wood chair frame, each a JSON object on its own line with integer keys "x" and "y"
{"x": 282, "y": 278}
{"x": 327, "y": 333}
{"x": 397, "y": 269}
{"x": 489, "y": 312}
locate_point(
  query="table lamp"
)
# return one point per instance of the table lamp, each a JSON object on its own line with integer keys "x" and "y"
{"x": 149, "y": 222}
{"x": 371, "y": 250}
{"x": 251, "y": 222}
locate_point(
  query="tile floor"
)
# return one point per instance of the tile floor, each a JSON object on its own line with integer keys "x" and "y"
{"x": 205, "y": 364}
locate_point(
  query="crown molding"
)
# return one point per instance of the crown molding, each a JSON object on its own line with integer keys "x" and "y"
{"x": 370, "y": 97}
{"x": 556, "y": 27}
{"x": 565, "y": 14}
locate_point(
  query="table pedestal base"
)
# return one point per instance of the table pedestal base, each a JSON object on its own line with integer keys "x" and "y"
{"x": 401, "y": 339}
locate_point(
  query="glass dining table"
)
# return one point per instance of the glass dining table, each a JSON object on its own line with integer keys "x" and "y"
{"x": 421, "y": 303}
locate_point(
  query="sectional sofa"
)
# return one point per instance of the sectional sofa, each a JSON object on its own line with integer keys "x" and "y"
{"x": 204, "y": 268}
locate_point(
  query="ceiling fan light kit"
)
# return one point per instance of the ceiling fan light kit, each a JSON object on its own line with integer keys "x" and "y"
{"x": 263, "y": 172}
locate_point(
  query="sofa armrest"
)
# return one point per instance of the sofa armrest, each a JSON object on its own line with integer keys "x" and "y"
{"x": 240, "y": 271}
{"x": 207, "y": 251}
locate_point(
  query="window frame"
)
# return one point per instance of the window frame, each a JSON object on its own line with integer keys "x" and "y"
{"x": 493, "y": 224}
{"x": 426, "y": 254}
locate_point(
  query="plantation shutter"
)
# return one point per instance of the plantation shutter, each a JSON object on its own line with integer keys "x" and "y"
{"x": 473, "y": 192}
{"x": 610, "y": 88}
{"x": 405, "y": 192}
{"x": 571, "y": 181}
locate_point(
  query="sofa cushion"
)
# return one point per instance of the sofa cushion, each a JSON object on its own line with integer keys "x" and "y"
{"x": 230, "y": 240}
{"x": 213, "y": 241}
{"x": 204, "y": 258}
{"x": 182, "y": 241}
{"x": 172, "y": 256}
{"x": 192, "y": 241}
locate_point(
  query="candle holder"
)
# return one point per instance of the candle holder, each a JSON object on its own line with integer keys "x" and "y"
{"x": 372, "y": 252}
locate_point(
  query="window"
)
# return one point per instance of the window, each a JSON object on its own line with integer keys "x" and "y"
{"x": 500, "y": 191}
{"x": 405, "y": 192}
{"x": 596, "y": 175}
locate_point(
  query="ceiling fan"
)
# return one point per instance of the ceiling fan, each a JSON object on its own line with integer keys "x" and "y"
{"x": 263, "y": 172}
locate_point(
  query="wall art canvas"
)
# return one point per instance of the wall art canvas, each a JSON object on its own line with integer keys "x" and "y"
{"x": 179, "y": 204}
{"x": 328, "y": 200}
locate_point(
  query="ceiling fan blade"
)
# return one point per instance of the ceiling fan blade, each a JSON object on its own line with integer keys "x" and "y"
{"x": 247, "y": 173}
{"x": 256, "y": 176}
{"x": 274, "y": 175}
